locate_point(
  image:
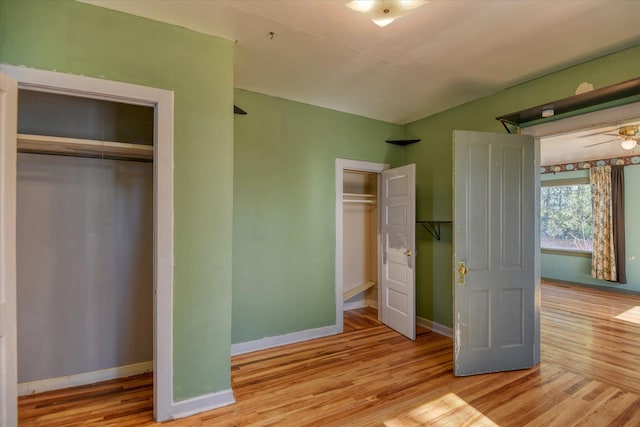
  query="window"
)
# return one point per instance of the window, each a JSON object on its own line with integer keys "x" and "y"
{"x": 566, "y": 221}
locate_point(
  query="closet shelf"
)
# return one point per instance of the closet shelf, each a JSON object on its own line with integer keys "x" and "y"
{"x": 44, "y": 144}
{"x": 358, "y": 289}
{"x": 359, "y": 195}
{"x": 433, "y": 227}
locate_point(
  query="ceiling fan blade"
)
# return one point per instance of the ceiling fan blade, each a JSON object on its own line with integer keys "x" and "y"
{"x": 600, "y": 143}
{"x": 601, "y": 132}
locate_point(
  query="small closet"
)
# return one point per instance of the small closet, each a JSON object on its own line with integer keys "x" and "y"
{"x": 360, "y": 239}
{"x": 84, "y": 239}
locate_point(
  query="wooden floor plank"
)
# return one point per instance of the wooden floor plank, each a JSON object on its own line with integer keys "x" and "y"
{"x": 372, "y": 376}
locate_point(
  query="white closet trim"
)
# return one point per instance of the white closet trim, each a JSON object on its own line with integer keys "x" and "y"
{"x": 49, "y": 81}
{"x": 341, "y": 166}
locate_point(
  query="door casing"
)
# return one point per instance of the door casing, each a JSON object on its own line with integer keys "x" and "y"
{"x": 356, "y": 165}
{"x": 162, "y": 101}
{"x": 8, "y": 318}
{"x": 361, "y": 166}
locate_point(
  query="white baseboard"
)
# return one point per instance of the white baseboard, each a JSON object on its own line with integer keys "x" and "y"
{"x": 353, "y": 305}
{"x": 435, "y": 327}
{"x": 84, "y": 378}
{"x": 202, "y": 403}
{"x": 294, "y": 337}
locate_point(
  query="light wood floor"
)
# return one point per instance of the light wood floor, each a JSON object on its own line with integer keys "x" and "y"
{"x": 589, "y": 376}
{"x": 360, "y": 318}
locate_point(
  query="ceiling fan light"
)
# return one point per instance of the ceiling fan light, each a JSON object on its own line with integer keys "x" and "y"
{"x": 628, "y": 144}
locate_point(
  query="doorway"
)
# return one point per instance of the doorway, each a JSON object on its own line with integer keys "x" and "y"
{"x": 360, "y": 246}
{"x": 357, "y": 191}
{"x": 162, "y": 103}
{"x": 395, "y": 242}
{"x": 84, "y": 240}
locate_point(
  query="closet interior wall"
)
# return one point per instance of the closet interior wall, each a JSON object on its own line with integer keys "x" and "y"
{"x": 360, "y": 251}
{"x": 84, "y": 238}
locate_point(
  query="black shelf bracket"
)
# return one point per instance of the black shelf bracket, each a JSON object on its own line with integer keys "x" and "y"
{"x": 403, "y": 141}
{"x": 433, "y": 227}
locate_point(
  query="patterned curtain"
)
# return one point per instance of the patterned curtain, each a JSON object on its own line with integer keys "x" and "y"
{"x": 603, "y": 261}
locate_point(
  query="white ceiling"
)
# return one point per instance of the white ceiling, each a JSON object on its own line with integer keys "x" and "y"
{"x": 588, "y": 144}
{"x": 440, "y": 55}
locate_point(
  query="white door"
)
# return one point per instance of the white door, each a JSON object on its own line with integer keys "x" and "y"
{"x": 494, "y": 249}
{"x": 8, "y": 328}
{"x": 398, "y": 223}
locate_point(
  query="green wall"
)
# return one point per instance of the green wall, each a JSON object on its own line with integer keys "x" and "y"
{"x": 577, "y": 269}
{"x": 433, "y": 159}
{"x": 77, "y": 38}
{"x": 284, "y": 209}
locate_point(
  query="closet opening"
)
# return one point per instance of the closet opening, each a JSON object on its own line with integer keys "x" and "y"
{"x": 84, "y": 240}
{"x": 358, "y": 254}
{"x": 360, "y": 242}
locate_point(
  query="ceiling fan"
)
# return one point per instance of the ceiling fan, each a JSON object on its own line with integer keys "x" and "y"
{"x": 628, "y": 136}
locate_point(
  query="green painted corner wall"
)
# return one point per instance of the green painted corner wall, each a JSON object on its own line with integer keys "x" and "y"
{"x": 433, "y": 158}
{"x": 577, "y": 269}
{"x": 284, "y": 209}
{"x": 77, "y": 38}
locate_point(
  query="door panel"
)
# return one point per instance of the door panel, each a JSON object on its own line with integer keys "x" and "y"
{"x": 478, "y": 196}
{"x": 8, "y": 328}
{"x": 494, "y": 236}
{"x": 398, "y": 233}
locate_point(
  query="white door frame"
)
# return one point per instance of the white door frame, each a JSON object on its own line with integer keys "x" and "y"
{"x": 8, "y": 330}
{"x": 341, "y": 166}
{"x": 162, "y": 100}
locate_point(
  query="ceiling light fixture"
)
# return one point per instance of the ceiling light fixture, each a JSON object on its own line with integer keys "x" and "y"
{"x": 384, "y": 12}
{"x": 628, "y": 143}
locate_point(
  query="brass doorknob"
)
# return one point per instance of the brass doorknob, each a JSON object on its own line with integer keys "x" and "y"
{"x": 408, "y": 252}
{"x": 462, "y": 271}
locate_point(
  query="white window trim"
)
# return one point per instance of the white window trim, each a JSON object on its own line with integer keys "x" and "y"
{"x": 565, "y": 251}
